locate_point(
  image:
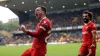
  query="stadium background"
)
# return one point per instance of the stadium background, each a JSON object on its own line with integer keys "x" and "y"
{"x": 66, "y": 17}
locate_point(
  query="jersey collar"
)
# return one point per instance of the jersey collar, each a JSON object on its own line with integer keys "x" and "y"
{"x": 42, "y": 19}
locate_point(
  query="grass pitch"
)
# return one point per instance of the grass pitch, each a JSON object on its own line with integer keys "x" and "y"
{"x": 70, "y": 49}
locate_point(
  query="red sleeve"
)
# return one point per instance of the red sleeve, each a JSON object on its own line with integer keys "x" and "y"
{"x": 94, "y": 28}
{"x": 35, "y": 33}
{"x": 41, "y": 29}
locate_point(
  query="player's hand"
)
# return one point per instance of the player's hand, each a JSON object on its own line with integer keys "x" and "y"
{"x": 92, "y": 46}
{"x": 89, "y": 52}
{"x": 23, "y": 28}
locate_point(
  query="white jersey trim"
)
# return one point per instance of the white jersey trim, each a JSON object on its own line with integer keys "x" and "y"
{"x": 43, "y": 28}
{"x": 46, "y": 39}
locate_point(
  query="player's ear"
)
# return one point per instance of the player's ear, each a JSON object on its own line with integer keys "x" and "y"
{"x": 42, "y": 12}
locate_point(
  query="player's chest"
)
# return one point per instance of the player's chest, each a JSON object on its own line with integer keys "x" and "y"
{"x": 86, "y": 29}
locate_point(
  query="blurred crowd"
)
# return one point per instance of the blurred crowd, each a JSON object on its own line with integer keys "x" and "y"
{"x": 55, "y": 37}
{"x": 20, "y": 39}
{"x": 61, "y": 19}
{"x": 66, "y": 18}
{"x": 71, "y": 18}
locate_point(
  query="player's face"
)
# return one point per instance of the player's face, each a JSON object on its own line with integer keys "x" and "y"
{"x": 38, "y": 12}
{"x": 86, "y": 18}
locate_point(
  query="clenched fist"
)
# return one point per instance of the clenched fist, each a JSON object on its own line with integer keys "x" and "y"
{"x": 23, "y": 28}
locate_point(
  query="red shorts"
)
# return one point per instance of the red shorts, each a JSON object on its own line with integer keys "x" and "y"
{"x": 33, "y": 52}
{"x": 87, "y": 50}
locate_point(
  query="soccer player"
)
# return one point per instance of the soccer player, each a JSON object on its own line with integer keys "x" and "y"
{"x": 40, "y": 35}
{"x": 88, "y": 47}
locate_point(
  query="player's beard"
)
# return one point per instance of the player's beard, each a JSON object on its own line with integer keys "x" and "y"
{"x": 86, "y": 20}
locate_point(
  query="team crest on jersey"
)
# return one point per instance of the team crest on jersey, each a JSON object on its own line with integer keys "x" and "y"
{"x": 44, "y": 22}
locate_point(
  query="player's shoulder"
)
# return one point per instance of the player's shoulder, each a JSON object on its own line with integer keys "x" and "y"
{"x": 46, "y": 20}
{"x": 92, "y": 23}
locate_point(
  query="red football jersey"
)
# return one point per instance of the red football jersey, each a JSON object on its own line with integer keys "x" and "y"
{"x": 87, "y": 32}
{"x": 41, "y": 33}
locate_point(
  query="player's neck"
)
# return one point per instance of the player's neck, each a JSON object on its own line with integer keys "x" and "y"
{"x": 42, "y": 17}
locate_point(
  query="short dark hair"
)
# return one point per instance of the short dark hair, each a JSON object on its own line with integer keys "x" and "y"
{"x": 90, "y": 14}
{"x": 44, "y": 9}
